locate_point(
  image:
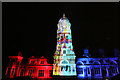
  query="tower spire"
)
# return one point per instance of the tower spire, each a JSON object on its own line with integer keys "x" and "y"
{"x": 63, "y": 15}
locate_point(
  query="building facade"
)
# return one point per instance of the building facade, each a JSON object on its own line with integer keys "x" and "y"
{"x": 97, "y": 68}
{"x": 64, "y": 57}
{"x": 35, "y": 68}
{"x": 64, "y": 61}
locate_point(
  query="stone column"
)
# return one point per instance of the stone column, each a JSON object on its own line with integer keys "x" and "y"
{"x": 100, "y": 71}
{"x": 107, "y": 72}
{"x": 117, "y": 71}
{"x": 6, "y": 71}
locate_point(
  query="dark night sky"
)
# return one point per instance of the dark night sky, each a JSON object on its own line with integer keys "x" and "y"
{"x": 31, "y": 28}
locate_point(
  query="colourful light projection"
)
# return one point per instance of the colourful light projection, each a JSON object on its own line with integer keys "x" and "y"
{"x": 64, "y": 61}
{"x": 64, "y": 57}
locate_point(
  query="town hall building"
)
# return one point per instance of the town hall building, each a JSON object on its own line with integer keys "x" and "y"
{"x": 65, "y": 62}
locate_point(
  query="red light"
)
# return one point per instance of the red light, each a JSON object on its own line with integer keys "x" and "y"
{"x": 39, "y": 68}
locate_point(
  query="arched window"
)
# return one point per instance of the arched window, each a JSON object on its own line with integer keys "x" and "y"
{"x": 13, "y": 71}
{"x": 64, "y": 51}
{"x": 64, "y": 62}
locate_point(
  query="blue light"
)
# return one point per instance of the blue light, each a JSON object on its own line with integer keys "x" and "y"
{"x": 94, "y": 68}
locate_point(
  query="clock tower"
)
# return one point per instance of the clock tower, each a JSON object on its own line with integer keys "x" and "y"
{"x": 64, "y": 56}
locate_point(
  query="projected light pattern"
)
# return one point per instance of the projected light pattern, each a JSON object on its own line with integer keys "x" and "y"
{"x": 64, "y": 61}
{"x": 35, "y": 68}
{"x": 97, "y": 68}
{"x": 64, "y": 57}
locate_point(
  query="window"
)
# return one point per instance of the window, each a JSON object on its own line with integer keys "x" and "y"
{"x": 9, "y": 70}
{"x": 63, "y": 68}
{"x": 13, "y": 70}
{"x": 96, "y": 70}
{"x": 71, "y": 59}
{"x": 80, "y": 70}
{"x": 50, "y": 72}
{"x": 42, "y": 62}
{"x": 41, "y": 73}
{"x": 64, "y": 51}
{"x": 73, "y": 70}
{"x": 22, "y": 72}
{"x": 61, "y": 37}
{"x": 30, "y": 72}
{"x": 114, "y": 70}
{"x": 88, "y": 70}
{"x": 55, "y": 70}
{"x": 32, "y": 62}
{"x": 66, "y": 37}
